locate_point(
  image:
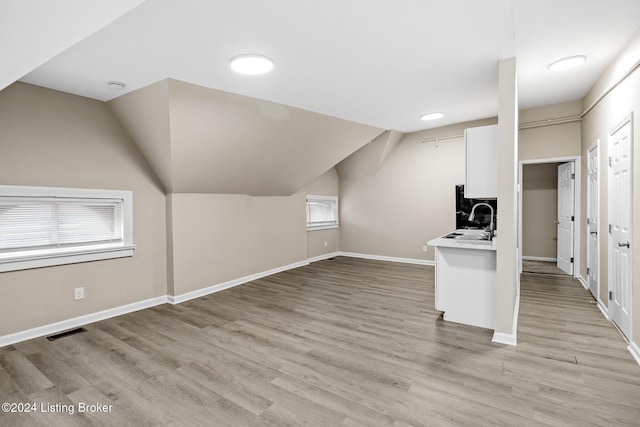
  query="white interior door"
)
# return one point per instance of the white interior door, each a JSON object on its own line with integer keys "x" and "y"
{"x": 565, "y": 216}
{"x": 592, "y": 221}
{"x": 620, "y": 143}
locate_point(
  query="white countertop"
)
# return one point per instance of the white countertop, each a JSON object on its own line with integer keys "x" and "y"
{"x": 484, "y": 245}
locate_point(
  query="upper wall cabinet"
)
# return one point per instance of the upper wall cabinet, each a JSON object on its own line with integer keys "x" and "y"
{"x": 482, "y": 162}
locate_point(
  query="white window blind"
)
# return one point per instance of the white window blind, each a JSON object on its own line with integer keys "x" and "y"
{"x": 42, "y": 226}
{"x": 322, "y": 212}
{"x": 28, "y": 223}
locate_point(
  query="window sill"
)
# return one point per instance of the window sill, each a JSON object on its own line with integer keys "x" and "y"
{"x": 49, "y": 260}
{"x": 321, "y": 227}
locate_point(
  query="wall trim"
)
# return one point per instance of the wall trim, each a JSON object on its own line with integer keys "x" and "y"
{"x": 502, "y": 338}
{"x": 583, "y": 282}
{"x": 604, "y": 310}
{"x": 388, "y": 258}
{"x": 509, "y": 339}
{"x": 635, "y": 351}
{"x": 323, "y": 257}
{"x": 539, "y": 258}
{"x": 56, "y": 327}
{"x": 177, "y": 299}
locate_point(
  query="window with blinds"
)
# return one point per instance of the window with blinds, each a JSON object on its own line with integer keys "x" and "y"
{"x": 51, "y": 226}
{"x": 322, "y": 212}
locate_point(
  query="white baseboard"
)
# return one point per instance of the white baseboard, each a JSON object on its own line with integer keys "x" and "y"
{"x": 512, "y": 338}
{"x": 635, "y": 351}
{"x": 388, "y": 258}
{"x": 539, "y": 258}
{"x": 501, "y": 338}
{"x": 54, "y": 328}
{"x": 323, "y": 257}
{"x": 583, "y": 282}
{"x": 599, "y": 303}
{"x": 177, "y": 299}
{"x": 633, "y": 348}
{"x": 604, "y": 310}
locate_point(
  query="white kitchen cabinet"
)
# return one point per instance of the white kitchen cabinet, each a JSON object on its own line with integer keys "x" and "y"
{"x": 482, "y": 162}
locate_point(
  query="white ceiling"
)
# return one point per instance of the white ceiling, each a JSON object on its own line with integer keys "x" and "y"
{"x": 377, "y": 62}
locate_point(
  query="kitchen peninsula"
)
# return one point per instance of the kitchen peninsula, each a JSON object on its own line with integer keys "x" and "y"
{"x": 466, "y": 278}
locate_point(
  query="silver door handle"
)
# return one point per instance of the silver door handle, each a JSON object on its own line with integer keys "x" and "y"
{"x": 557, "y": 222}
{"x": 622, "y": 244}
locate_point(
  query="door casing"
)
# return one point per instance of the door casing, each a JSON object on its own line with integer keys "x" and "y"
{"x": 577, "y": 201}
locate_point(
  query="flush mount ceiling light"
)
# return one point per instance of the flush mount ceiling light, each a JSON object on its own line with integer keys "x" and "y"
{"x": 113, "y": 85}
{"x": 566, "y": 63}
{"x": 431, "y": 116}
{"x": 251, "y": 64}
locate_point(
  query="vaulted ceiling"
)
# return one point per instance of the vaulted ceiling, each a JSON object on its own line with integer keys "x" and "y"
{"x": 201, "y": 140}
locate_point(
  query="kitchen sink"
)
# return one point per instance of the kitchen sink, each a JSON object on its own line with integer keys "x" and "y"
{"x": 469, "y": 236}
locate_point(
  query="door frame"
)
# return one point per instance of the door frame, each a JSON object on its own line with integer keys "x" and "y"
{"x": 576, "y": 200}
{"x": 595, "y": 146}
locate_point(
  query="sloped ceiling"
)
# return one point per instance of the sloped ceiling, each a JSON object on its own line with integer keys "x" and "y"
{"x": 34, "y": 31}
{"x": 145, "y": 114}
{"x": 201, "y": 140}
{"x": 367, "y": 161}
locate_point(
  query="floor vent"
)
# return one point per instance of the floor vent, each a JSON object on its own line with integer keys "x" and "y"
{"x": 66, "y": 334}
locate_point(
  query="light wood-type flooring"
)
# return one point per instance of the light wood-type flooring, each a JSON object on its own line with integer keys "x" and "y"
{"x": 541, "y": 267}
{"x": 342, "y": 342}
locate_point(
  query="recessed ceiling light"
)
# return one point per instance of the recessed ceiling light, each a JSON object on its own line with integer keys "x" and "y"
{"x": 431, "y": 116}
{"x": 251, "y": 64}
{"x": 113, "y": 85}
{"x": 566, "y": 63}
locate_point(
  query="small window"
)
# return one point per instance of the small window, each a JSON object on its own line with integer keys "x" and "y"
{"x": 322, "y": 212}
{"x": 42, "y": 226}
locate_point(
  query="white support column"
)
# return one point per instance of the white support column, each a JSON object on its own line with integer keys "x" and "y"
{"x": 507, "y": 244}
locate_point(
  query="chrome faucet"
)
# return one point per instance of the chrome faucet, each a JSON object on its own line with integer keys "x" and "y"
{"x": 471, "y": 217}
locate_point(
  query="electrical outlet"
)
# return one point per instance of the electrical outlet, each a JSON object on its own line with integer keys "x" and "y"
{"x": 79, "y": 293}
{"x": 326, "y": 243}
{"x": 425, "y": 249}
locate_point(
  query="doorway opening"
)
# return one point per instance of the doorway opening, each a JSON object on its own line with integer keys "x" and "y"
{"x": 549, "y": 202}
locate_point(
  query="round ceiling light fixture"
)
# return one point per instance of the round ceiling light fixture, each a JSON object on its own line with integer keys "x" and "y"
{"x": 431, "y": 116}
{"x": 114, "y": 85}
{"x": 251, "y": 64}
{"x": 567, "y": 63}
